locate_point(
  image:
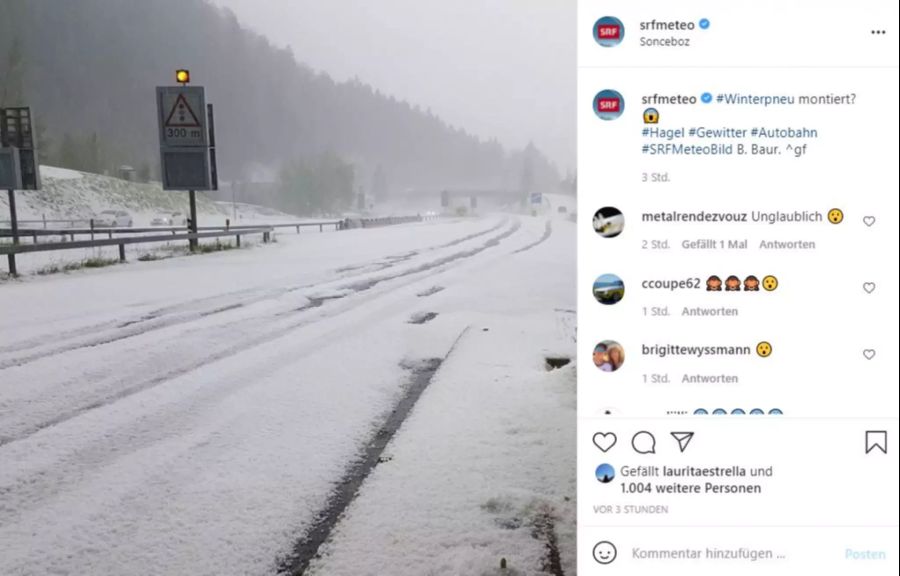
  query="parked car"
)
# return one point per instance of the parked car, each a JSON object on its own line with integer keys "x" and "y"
{"x": 113, "y": 219}
{"x": 169, "y": 219}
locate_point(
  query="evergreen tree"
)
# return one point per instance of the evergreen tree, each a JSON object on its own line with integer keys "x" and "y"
{"x": 379, "y": 184}
{"x": 69, "y": 154}
{"x": 12, "y": 76}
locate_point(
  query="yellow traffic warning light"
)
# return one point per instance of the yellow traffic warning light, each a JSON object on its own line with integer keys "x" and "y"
{"x": 183, "y": 76}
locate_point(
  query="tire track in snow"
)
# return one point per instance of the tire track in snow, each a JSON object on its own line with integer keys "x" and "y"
{"x": 545, "y": 531}
{"x": 166, "y": 317}
{"x": 389, "y": 261}
{"x": 346, "y": 489}
{"x": 251, "y": 340}
{"x": 473, "y": 236}
{"x": 548, "y": 230}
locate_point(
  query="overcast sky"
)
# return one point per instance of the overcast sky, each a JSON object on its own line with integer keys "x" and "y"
{"x": 503, "y": 68}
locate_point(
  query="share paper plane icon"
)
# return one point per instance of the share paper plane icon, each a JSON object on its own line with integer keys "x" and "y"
{"x": 683, "y": 439}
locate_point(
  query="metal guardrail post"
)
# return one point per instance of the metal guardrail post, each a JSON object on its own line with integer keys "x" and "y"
{"x": 193, "y": 243}
{"x": 238, "y": 240}
{"x": 14, "y": 226}
{"x": 135, "y": 237}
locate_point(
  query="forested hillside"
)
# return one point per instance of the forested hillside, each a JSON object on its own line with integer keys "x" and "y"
{"x": 88, "y": 68}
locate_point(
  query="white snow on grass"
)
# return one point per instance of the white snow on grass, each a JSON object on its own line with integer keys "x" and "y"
{"x": 55, "y": 173}
{"x": 74, "y": 195}
{"x": 69, "y": 199}
{"x": 78, "y": 196}
{"x": 191, "y": 416}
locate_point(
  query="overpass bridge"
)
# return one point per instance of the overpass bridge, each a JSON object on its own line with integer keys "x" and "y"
{"x": 472, "y": 196}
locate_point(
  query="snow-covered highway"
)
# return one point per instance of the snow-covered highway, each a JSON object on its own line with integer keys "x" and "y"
{"x": 198, "y": 415}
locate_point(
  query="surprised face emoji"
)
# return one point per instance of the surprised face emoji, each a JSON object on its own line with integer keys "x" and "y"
{"x": 764, "y": 349}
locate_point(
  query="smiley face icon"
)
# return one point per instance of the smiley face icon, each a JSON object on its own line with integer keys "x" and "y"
{"x": 835, "y": 216}
{"x": 764, "y": 349}
{"x": 770, "y": 283}
{"x": 605, "y": 552}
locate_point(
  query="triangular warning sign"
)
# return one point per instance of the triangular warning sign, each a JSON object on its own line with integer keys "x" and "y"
{"x": 181, "y": 115}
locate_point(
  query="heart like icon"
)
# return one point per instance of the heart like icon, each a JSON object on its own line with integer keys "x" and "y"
{"x": 869, "y": 287}
{"x": 604, "y": 440}
{"x": 869, "y": 221}
{"x": 869, "y": 353}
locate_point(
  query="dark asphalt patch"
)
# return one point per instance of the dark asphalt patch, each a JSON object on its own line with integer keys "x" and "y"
{"x": 422, "y": 317}
{"x": 430, "y": 291}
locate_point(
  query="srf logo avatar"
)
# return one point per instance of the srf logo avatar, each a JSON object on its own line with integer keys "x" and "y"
{"x": 609, "y": 104}
{"x": 609, "y": 31}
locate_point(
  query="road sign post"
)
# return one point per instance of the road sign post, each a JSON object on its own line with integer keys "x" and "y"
{"x": 187, "y": 143}
{"x": 213, "y": 166}
{"x": 19, "y": 166}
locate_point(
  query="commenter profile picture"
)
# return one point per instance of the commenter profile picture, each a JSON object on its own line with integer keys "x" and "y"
{"x": 609, "y": 289}
{"x": 609, "y": 104}
{"x": 609, "y": 222}
{"x": 609, "y": 356}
